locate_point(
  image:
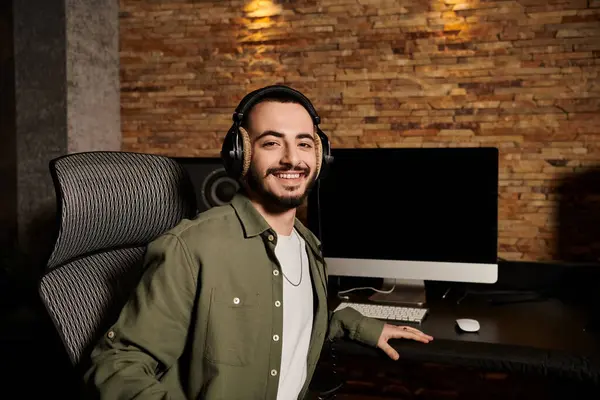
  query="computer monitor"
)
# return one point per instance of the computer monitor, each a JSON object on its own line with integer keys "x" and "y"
{"x": 409, "y": 215}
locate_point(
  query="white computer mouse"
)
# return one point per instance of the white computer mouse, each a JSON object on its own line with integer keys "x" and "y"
{"x": 467, "y": 324}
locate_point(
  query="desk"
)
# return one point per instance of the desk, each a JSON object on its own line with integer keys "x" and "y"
{"x": 545, "y": 337}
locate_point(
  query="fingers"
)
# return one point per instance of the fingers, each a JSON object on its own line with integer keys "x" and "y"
{"x": 416, "y": 331}
{"x": 400, "y": 332}
{"x": 389, "y": 350}
{"x": 415, "y": 334}
{"x": 410, "y": 328}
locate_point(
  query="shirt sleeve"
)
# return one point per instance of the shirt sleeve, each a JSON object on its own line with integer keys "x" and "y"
{"x": 350, "y": 323}
{"x": 151, "y": 331}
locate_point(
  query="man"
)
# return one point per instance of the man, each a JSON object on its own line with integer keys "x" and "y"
{"x": 233, "y": 304}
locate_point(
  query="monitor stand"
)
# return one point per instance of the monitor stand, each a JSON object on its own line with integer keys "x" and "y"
{"x": 404, "y": 292}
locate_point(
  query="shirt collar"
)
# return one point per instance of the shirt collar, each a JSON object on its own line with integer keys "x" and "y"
{"x": 309, "y": 238}
{"x": 254, "y": 224}
{"x": 252, "y": 221}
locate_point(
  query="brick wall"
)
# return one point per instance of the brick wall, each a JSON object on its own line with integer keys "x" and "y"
{"x": 518, "y": 75}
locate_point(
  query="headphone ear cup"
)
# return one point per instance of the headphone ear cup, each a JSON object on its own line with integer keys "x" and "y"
{"x": 246, "y": 152}
{"x": 323, "y": 149}
{"x": 319, "y": 154}
{"x": 231, "y": 153}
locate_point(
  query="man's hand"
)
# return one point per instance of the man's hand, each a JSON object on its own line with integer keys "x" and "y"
{"x": 399, "y": 332}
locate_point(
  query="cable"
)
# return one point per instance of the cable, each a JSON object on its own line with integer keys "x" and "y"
{"x": 319, "y": 228}
{"x": 368, "y": 288}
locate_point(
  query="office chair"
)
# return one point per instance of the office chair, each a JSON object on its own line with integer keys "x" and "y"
{"x": 110, "y": 206}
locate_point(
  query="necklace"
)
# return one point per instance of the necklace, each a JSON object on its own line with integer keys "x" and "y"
{"x": 301, "y": 263}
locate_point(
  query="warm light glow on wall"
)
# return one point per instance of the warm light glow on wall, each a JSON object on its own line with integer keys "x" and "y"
{"x": 465, "y": 28}
{"x": 460, "y": 4}
{"x": 262, "y": 9}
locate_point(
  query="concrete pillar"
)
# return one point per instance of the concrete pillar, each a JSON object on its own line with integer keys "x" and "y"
{"x": 66, "y": 99}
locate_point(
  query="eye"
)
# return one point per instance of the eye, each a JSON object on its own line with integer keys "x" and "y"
{"x": 269, "y": 144}
{"x": 307, "y": 145}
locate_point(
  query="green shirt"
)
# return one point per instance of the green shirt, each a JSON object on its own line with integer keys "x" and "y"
{"x": 201, "y": 322}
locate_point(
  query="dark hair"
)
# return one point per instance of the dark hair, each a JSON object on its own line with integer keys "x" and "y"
{"x": 274, "y": 97}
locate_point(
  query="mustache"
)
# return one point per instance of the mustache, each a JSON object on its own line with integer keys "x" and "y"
{"x": 273, "y": 171}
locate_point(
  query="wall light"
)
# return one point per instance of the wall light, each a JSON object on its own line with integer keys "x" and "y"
{"x": 262, "y": 9}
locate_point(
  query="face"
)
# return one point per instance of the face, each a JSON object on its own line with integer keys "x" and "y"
{"x": 283, "y": 154}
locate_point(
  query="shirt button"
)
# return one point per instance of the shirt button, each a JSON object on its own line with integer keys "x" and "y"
{"x": 271, "y": 238}
{"x": 236, "y": 300}
{"x": 275, "y": 272}
{"x": 273, "y": 372}
{"x": 277, "y": 303}
{"x": 111, "y": 334}
{"x": 276, "y": 338}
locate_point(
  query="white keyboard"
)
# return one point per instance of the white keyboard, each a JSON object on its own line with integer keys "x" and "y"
{"x": 387, "y": 312}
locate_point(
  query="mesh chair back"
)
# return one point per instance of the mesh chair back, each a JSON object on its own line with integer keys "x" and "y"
{"x": 111, "y": 205}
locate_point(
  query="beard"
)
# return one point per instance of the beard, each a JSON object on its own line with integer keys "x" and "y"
{"x": 273, "y": 202}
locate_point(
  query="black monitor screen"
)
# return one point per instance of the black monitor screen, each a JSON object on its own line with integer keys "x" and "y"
{"x": 426, "y": 204}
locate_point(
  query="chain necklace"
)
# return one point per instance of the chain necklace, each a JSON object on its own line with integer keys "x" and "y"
{"x": 301, "y": 262}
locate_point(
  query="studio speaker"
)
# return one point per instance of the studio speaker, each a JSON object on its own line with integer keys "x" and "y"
{"x": 211, "y": 183}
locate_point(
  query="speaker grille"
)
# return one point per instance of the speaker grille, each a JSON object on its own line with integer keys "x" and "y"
{"x": 212, "y": 185}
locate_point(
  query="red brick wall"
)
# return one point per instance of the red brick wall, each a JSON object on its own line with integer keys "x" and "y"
{"x": 518, "y": 75}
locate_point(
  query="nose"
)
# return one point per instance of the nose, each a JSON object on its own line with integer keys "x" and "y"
{"x": 290, "y": 156}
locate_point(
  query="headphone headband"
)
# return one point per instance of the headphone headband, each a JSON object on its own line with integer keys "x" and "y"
{"x": 256, "y": 96}
{"x": 236, "y": 153}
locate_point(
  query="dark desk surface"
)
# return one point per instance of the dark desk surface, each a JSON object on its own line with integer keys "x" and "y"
{"x": 546, "y": 337}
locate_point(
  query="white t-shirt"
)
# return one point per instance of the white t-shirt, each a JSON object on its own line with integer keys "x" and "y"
{"x": 297, "y": 314}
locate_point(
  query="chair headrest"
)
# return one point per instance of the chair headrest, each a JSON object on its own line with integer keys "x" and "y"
{"x": 109, "y": 200}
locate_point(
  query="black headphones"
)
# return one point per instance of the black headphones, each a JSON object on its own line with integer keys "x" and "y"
{"x": 235, "y": 152}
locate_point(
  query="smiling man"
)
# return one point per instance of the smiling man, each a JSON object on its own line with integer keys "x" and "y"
{"x": 280, "y": 172}
{"x": 233, "y": 304}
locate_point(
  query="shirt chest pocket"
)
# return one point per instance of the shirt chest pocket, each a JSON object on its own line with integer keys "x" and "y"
{"x": 233, "y": 327}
